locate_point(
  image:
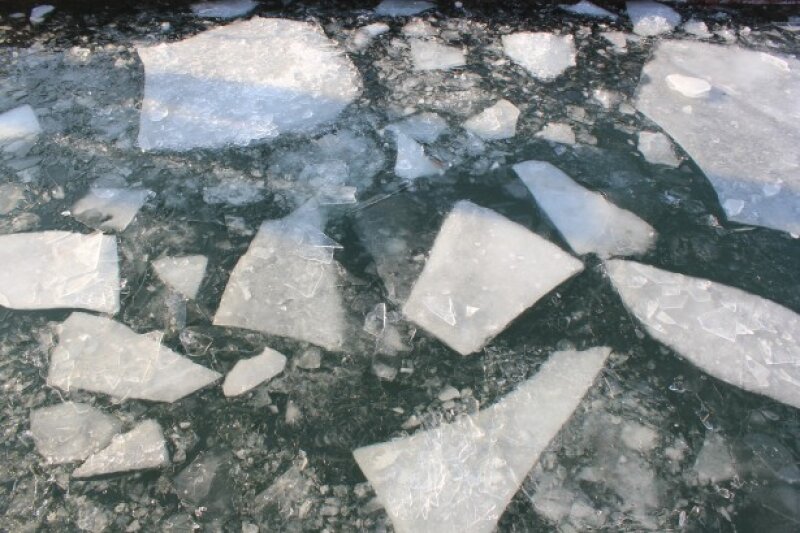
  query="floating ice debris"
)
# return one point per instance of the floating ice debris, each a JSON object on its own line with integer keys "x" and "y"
{"x": 287, "y": 284}
{"x": 364, "y": 35}
{"x": 58, "y": 269}
{"x": 736, "y": 337}
{"x": 714, "y": 463}
{"x": 606, "y": 98}
{"x": 247, "y": 80}
{"x": 11, "y": 196}
{"x": 141, "y": 448}
{"x": 588, "y": 221}
{"x": 71, "y": 431}
{"x": 110, "y": 209}
{"x": 38, "y": 13}
{"x": 310, "y": 359}
{"x": 239, "y": 191}
{"x": 657, "y": 149}
{"x": 430, "y": 55}
{"x": 250, "y": 373}
{"x": 223, "y": 9}
{"x": 589, "y": 9}
{"x": 483, "y": 271}
{"x": 422, "y": 127}
{"x": 638, "y": 437}
{"x": 688, "y": 86}
{"x": 411, "y": 162}
{"x": 402, "y": 8}
{"x": 461, "y": 476}
{"x": 557, "y": 132}
{"x": 18, "y": 124}
{"x": 651, "y": 18}
{"x": 206, "y": 482}
{"x": 495, "y": 123}
{"x": 697, "y": 28}
{"x": 544, "y": 55}
{"x": 618, "y": 39}
{"x": 182, "y": 274}
{"x": 97, "y": 354}
{"x": 755, "y": 170}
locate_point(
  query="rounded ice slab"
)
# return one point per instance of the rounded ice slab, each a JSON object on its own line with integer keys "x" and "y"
{"x": 248, "y": 80}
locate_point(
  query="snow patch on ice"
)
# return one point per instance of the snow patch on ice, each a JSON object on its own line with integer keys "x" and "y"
{"x": 110, "y": 209}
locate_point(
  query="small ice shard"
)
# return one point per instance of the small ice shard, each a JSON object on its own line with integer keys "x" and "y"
{"x": 58, "y": 269}
{"x": 182, "y": 274}
{"x": 697, "y": 28}
{"x": 483, "y": 271}
{"x": 557, "y": 132}
{"x": 141, "y": 448}
{"x": 657, "y": 149}
{"x": 588, "y": 222}
{"x": 714, "y": 463}
{"x": 651, "y": 18}
{"x": 402, "y": 8}
{"x": 38, "y": 13}
{"x": 71, "y": 431}
{"x": 241, "y": 82}
{"x": 617, "y": 39}
{"x": 364, "y": 35}
{"x": 688, "y": 86}
{"x": 422, "y": 127}
{"x": 110, "y": 209}
{"x": 223, "y": 9}
{"x": 736, "y": 337}
{"x": 589, "y": 9}
{"x": 97, "y": 354}
{"x": 544, "y": 55}
{"x": 11, "y": 196}
{"x": 18, "y": 124}
{"x": 411, "y": 162}
{"x": 287, "y": 284}
{"x": 430, "y": 55}
{"x": 495, "y": 123}
{"x": 247, "y": 374}
{"x": 461, "y": 476}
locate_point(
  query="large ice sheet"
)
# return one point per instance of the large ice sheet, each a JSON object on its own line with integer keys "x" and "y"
{"x": 59, "y": 269}
{"x": 97, "y": 354}
{"x": 651, "y": 18}
{"x": 110, "y": 209}
{"x": 461, "y": 476}
{"x": 735, "y": 336}
{"x": 183, "y": 274}
{"x": 141, "y": 448}
{"x": 588, "y": 221}
{"x": 483, "y": 271}
{"x": 18, "y": 123}
{"x": 71, "y": 431}
{"x": 287, "y": 283}
{"x": 223, "y": 9}
{"x": 544, "y": 55}
{"x": 744, "y": 132}
{"x": 494, "y": 123}
{"x": 248, "y": 80}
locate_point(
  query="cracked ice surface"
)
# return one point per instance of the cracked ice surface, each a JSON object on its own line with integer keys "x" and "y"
{"x": 141, "y": 448}
{"x": 737, "y": 337}
{"x": 71, "y": 431}
{"x": 544, "y": 55}
{"x": 743, "y": 132}
{"x": 183, "y": 274}
{"x": 245, "y": 81}
{"x": 483, "y": 271}
{"x": 461, "y": 476}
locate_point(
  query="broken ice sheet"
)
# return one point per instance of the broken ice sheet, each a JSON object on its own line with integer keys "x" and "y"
{"x": 588, "y": 221}
{"x": 460, "y": 476}
{"x": 110, "y": 209}
{"x": 735, "y": 336}
{"x": 97, "y": 354}
{"x": 241, "y": 82}
{"x": 183, "y": 274}
{"x": 18, "y": 124}
{"x": 651, "y": 18}
{"x": 657, "y": 149}
{"x": 71, "y": 431}
{"x": 402, "y": 8}
{"x": 141, "y": 448}
{"x": 430, "y": 55}
{"x": 494, "y": 123}
{"x": 483, "y": 271}
{"x": 250, "y": 373}
{"x": 223, "y": 9}
{"x": 58, "y": 269}
{"x": 544, "y": 55}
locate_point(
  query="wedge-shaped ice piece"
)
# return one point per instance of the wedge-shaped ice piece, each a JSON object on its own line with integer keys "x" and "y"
{"x": 39, "y": 13}
{"x": 110, "y": 209}
{"x": 287, "y": 284}
{"x": 743, "y": 131}
{"x": 411, "y": 162}
{"x": 244, "y": 81}
{"x": 141, "y": 448}
{"x": 223, "y": 9}
{"x": 651, "y": 18}
{"x": 18, "y": 123}
{"x": 544, "y": 55}
{"x": 495, "y": 123}
{"x": 657, "y": 149}
{"x": 71, "y": 431}
{"x": 250, "y": 373}
{"x": 461, "y": 476}
{"x": 557, "y": 132}
{"x": 737, "y": 337}
{"x": 483, "y": 271}
{"x": 422, "y": 127}
{"x": 402, "y": 8}
{"x": 588, "y": 9}
{"x": 58, "y": 269}
{"x": 588, "y": 221}
{"x": 183, "y": 274}
{"x": 430, "y": 55}
{"x": 97, "y": 354}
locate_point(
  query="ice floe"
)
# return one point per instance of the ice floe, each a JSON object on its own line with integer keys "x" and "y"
{"x": 241, "y": 82}
{"x": 141, "y": 448}
{"x": 495, "y": 123}
{"x": 402, "y": 8}
{"x": 557, "y": 132}
{"x": 97, "y": 354}
{"x": 223, "y": 9}
{"x": 657, "y": 149}
{"x": 735, "y": 336}
{"x": 110, "y": 209}
{"x": 461, "y": 476}
{"x": 250, "y": 373}
{"x": 183, "y": 274}
{"x": 430, "y": 55}
{"x": 482, "y": 272}
{"x": 59, "y": 269}
{"x": 38, "y": 13}
{"x": 588, "y": 9}
{"x": 688, "y": 86}
{"x": 423, "y": 127}
{"x": 544, "y": 55}
{"x": 651, "y": 18}
{"x": 71, "y": 431}
{"x": 411, "y": 162}
{"x": 588, "y": 221}
{"x": 18, "y": 124}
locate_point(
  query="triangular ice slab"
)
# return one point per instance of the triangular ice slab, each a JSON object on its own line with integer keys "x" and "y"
{"x": 71, "y": 431}
{"x": 183, "y": 274}
{"x": 100, "y": 355}
{"x": 544, "y": 55}
{"x": 494, "y": 123}
{"x": 411, "y": 162}
{"x": 461, "y": 476}
{"x": 250, "y": 373}
{"x": 735, "y": 336}
{"x": 588, "y": 221}
{"x": 110, "y": 209}
{"x": 141, "y": 448}
{"x": 483, "y": 271}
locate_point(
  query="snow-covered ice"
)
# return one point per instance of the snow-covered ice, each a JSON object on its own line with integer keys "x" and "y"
{"x": 71, "y": 431}
{"x": 461, "y": 476}
{"x": 544, "y": 55}
{"x": 411, "y": 161}
{"x": 430, "y": 55}
{"x": 402, "y": 8}
{"x": 141, "y": 448}
{"x": 588, "y": 222}
{"x": 584, "y": 7}
{"x": 250, "y": 373}
{"x": 183, "y": 274}
{"x": 482, "y": 272}
{"x": 423, "y": 127}
{"x": 495, "y": 123}
{"x": 18, "y": 124}
{"x": 557, "y": 132}
{"x": 223, "y": 9}
{"x": 657, "y": 149}
{"x": 110, "y": 209}
{"x": 651, "y": 18}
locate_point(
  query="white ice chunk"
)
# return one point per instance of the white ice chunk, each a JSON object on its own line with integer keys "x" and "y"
{"x": 657, "y": 149}
{"x": 617, "y": 39}
{"x": 423, "y": 127}
{"x": 697, "y": 28}
{"x": 430, "y": 55}
{"x": 141, "y": 448}
{"x": 544, "y": 55}
{"x": 688, "y": 86}
{"x": 411, "y": 162}
{"x": 557, "y": 132}
{"x": 651, "y": 18}
{"x": 589, "y": 9}
{"x": 58, "y": 269}
{"x": 287, "y": 284}
{"x": 110, "y": 209}
{"x": 71, "y": 431}
{"x": 17, "y": 124}
{"x": 250, "y": 373}
{"x": 97, "y": 354}
{"x": 460, "y": 477}
{"x": 38, "y": 13}
{"x": 494, "y": 123}
{"x": 402, "y": 8}
{"x": 714, "y": 463}
{"x": 247, "y": 80}
{"x": 182, "y": 274}
{"x": 735, "y": 336}
{"x": 743, "y": 133}
{"x": 588, "y": 221}
{"x": 223, "y": 9}
{"x": 483, "y": 271}
{"x": 364, "y": 36}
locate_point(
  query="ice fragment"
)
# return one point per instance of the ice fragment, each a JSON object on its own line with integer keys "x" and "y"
{"x": 544, "y": 55}
{"x": 588, "y": 9}
{"x": 557, "y": 132}
{"x": 411, "y": 162}
{"x": 250, "y": 373}
{"x": 141, "y": 448}
{"x": 110, "y": 209}
{"x": 402, "y": 8}
{"x": 71, "y": 431}
{"x": 18, "y": 124}
{"x": 494, "y": 123}
{"x": 183, "y": 274}
{"x": 430, "y": 55}
{"x": 651, "y": 18}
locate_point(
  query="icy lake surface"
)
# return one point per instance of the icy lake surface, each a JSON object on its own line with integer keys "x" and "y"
{"x": 400, "y": 266}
